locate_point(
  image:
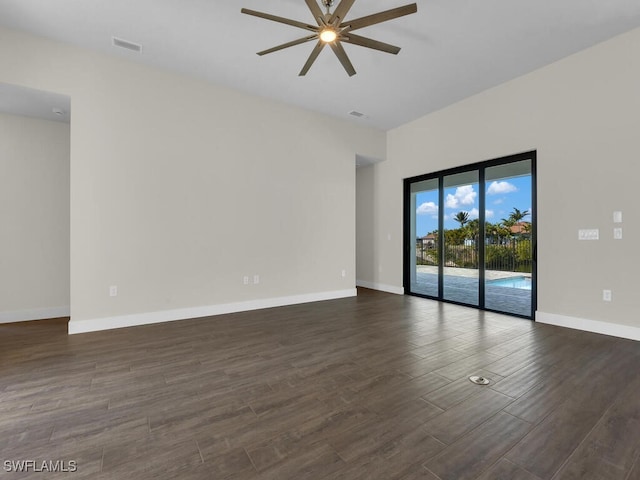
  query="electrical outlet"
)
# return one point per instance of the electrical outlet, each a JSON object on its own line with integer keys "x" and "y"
{"x": 344, "y": 273}
{"x": 606, "y": 295}
{"x": 113, "y": 291}
{"x": 256, "y": 279}
{"x": 245, "y": 280}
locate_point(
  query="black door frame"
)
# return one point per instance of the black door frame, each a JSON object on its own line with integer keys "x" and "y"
{"x": 480, "y": 167}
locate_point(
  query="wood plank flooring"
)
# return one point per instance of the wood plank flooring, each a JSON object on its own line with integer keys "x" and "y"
{"x": 373, "y": 387}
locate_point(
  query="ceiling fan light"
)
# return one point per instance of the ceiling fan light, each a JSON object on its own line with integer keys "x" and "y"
{"x": 328, "y": 35}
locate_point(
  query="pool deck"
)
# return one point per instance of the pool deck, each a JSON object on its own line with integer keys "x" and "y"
{"x": 461, "y": 285}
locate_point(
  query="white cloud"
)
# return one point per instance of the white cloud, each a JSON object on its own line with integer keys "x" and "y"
{"x": 427, "y": 208}
{"x": 474, "y": 213}
{"x": 498, "y": 201}
{"x": 499, "y": 188}
{"x": 464, "y": 195}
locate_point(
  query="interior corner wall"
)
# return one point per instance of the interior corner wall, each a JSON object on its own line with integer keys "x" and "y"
{"x": 365, "y": 225}
{"x": 581, "y": 115}
{"x": 34, "y": 208}
{"x": 370, "y": 242}
{"x": 180, "y": 189}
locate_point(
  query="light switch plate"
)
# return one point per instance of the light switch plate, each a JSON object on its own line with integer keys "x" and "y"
{"x": 617, "y": 217}
{"x": 589, "y": 234}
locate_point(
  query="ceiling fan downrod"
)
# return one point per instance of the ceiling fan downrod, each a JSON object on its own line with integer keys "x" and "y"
{"x": 328, "y": 4}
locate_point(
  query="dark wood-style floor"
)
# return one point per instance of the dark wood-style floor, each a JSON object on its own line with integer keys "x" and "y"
{"x": 373, "y": 387}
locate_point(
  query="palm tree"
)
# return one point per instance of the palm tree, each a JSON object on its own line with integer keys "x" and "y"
{"x": 462, "y": 218}
{"x": 517, "y": 216}
{"x": 502, "y": 231}
{"x": 473, "y": 229}
{"x": 508, "y": 222}
{"x": 491, "y": 231}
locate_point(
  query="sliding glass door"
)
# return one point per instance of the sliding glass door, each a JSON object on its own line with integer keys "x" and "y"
{"x": 424, "y": 258}
{"x": 508, "y": 259}
{"x": 470, "y": 235}
{"x": 460, "y": 270}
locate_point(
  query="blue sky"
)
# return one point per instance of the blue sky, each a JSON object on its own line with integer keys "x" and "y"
{"x": 502, "y": 196}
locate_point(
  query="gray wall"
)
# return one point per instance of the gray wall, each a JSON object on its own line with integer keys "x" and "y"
{"x": 581, "y": 115}
{"x": 180, "y": 188}
{"x": 34, "y": 211}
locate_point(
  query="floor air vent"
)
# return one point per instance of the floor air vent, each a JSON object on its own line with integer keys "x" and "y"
{"x": 478, "y": 380}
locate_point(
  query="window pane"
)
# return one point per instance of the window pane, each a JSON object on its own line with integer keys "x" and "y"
{"x": 461, "y": 238}
{"x": 508, "y": 251}
{"x": 424, "y": 229}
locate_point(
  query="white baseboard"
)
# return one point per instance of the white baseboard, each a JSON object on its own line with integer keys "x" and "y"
{"x": 122, "y": 321}
{"x": 34, "y": 314}
{"x": 380, "y": 286}
{"x": 595, "y": 326}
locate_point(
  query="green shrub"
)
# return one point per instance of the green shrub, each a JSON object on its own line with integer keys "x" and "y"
{"x": 499, "y": 257}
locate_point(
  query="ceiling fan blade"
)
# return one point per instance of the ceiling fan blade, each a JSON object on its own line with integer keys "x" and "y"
{"x": 288, "y": 44}
{"x": 312, "y": 58}
{"x": 338, "y": 49}
{"x": 286, "y": 21}
{"x": 341, "y": 11}
{"x": 316, "y": 11}
{"x": 380, "y": 17}
{"x": 369, "y": 43}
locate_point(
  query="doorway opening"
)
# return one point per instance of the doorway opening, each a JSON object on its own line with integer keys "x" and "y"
{"x": 34, "y": 204}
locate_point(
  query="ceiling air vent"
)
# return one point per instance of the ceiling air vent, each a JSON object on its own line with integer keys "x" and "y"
{"x": 134, "y": 47}
{"x": 356, "y": 114}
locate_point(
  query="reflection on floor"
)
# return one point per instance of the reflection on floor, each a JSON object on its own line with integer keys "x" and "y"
{"x": 464, "y": 289}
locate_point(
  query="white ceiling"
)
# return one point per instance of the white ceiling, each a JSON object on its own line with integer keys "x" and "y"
{"x": 451, "y": 49}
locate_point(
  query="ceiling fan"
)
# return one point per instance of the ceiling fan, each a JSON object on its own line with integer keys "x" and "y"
{"x": 332, "y": 29}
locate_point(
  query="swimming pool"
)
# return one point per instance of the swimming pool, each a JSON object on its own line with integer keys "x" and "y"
{"x": 523, "y": 283}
